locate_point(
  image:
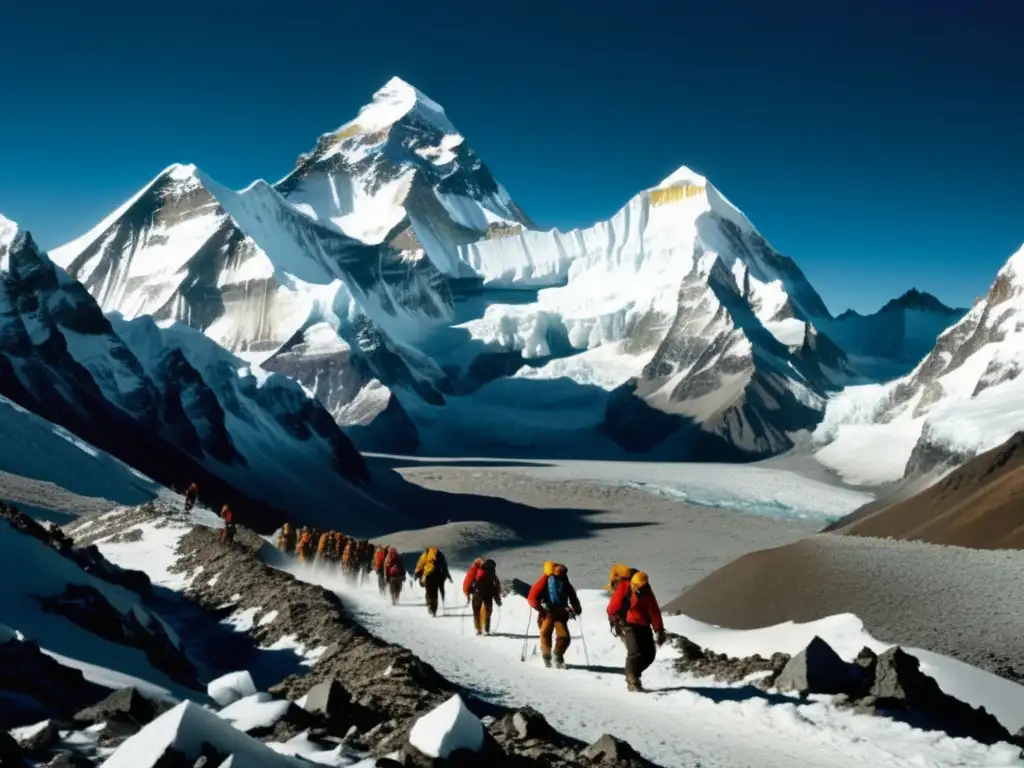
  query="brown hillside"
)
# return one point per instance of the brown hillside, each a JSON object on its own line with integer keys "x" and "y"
{"x": 979, "y": 505}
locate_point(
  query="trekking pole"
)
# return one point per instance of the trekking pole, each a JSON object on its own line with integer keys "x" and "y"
{"x": 462, "y": 622}
{"x": 583, "y": 639}
{"x": 526, "y": 635}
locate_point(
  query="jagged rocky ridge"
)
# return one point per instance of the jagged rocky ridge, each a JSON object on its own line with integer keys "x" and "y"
{"x": 392, "y": 275}
{"x": 164, "y": 399}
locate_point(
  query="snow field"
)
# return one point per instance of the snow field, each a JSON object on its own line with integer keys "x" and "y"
{"x": 682, "y": 721}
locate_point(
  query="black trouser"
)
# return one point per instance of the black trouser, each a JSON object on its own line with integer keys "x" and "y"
{"x": 640, "y": 651}
{"x": 431, "y": 585}
{"x": 395, "y": 585}
{"x": 382, "y": 581}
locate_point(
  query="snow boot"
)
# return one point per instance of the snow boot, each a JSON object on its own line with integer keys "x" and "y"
{"x": 559, "y": 661}
{"x": 634, "y": 685}
{"x": 547, "y": 661}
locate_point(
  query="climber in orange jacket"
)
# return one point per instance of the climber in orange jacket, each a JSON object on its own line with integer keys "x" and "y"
{"x": 304, "y": 549}
{"x": 467, "y": 583}
{"x": 378, "y": 567}
{"x": 634, "y": 611}
{"x": 485, "y": 591}
{"x": 554, "y": 598}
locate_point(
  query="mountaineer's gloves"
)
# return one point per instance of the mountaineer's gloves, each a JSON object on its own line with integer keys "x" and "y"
{"x": 661, "y": 637}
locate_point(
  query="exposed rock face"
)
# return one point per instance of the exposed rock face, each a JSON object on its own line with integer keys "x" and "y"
{"x": 159, "y": 399}
{"x": 50, "y": 689}
{"x": 89, "y": 609}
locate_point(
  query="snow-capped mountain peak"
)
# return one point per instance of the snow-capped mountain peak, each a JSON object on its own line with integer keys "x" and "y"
{"x": 683, "y": 175}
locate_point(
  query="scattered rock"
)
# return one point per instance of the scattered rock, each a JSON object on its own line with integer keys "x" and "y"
{"x": 818, "y": 669}
{"x": 700, "y": 662}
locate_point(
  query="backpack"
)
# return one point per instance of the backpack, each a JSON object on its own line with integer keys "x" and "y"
{"x": 558, "y": 594}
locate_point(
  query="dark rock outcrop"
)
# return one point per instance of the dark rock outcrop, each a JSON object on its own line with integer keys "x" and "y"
{"x": 88, "y": 608}
{"x": 126, "y": 707}
{"x": 818, "y": 669}
{"x": 891, "y": 684}
{"x": 46, "y": 687}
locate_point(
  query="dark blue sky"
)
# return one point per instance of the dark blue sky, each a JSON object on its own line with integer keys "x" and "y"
{"x": 876, "y": 142}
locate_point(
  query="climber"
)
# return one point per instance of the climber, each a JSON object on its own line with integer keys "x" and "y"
{"x": 635, "y": 611}
{"x": 190, "y": 497}
{"x": 486, "y": 591}
{"x": 349, "y": 566}
{"x": 286, "y": 539}
{"x": 227, "y": 533}
{"x": 323, "y": 549}
{"x": 467, "y": 583}
{"x": 533, "y": 598}
{"x": 378, "y": 566}
{"x": 618, "y": 581}
{"x": 558, "y": 601}
{"x": 394, "y": 569}
{"x": 305, "y": 547}
{"x": 431, "y": 572}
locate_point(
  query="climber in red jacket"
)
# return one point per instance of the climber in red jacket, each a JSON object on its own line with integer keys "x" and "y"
{"x": 634, "y": 613}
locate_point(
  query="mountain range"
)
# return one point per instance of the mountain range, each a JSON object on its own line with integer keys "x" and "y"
{"x": 389, "y": 295}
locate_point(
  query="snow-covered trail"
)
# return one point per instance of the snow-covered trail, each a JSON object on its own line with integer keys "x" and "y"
{"x": 680, "y": 721}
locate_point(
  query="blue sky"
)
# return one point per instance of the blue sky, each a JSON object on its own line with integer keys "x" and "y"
{"x": 876, "y": 142}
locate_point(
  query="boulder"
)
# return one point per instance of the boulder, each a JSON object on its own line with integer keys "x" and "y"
{"x": 37, "y": 737}
{"x": 329, "y": 699}
{"x": 899, "y": 684}
{"x": 231, "y": 687}
{"x": 818, "y": 669}
{"x": 436, "y": 737}
{"x": 525, "y": 724}
{"x": 609, "y": 749}
{"x": 126, "y": 707}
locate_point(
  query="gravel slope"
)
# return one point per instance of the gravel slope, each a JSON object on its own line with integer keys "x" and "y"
{"x": 522, "y": 520}
{"x": 961, "y": 602}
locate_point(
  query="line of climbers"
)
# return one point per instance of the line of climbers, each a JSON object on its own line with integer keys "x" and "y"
{"x": 633, "y": 612}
